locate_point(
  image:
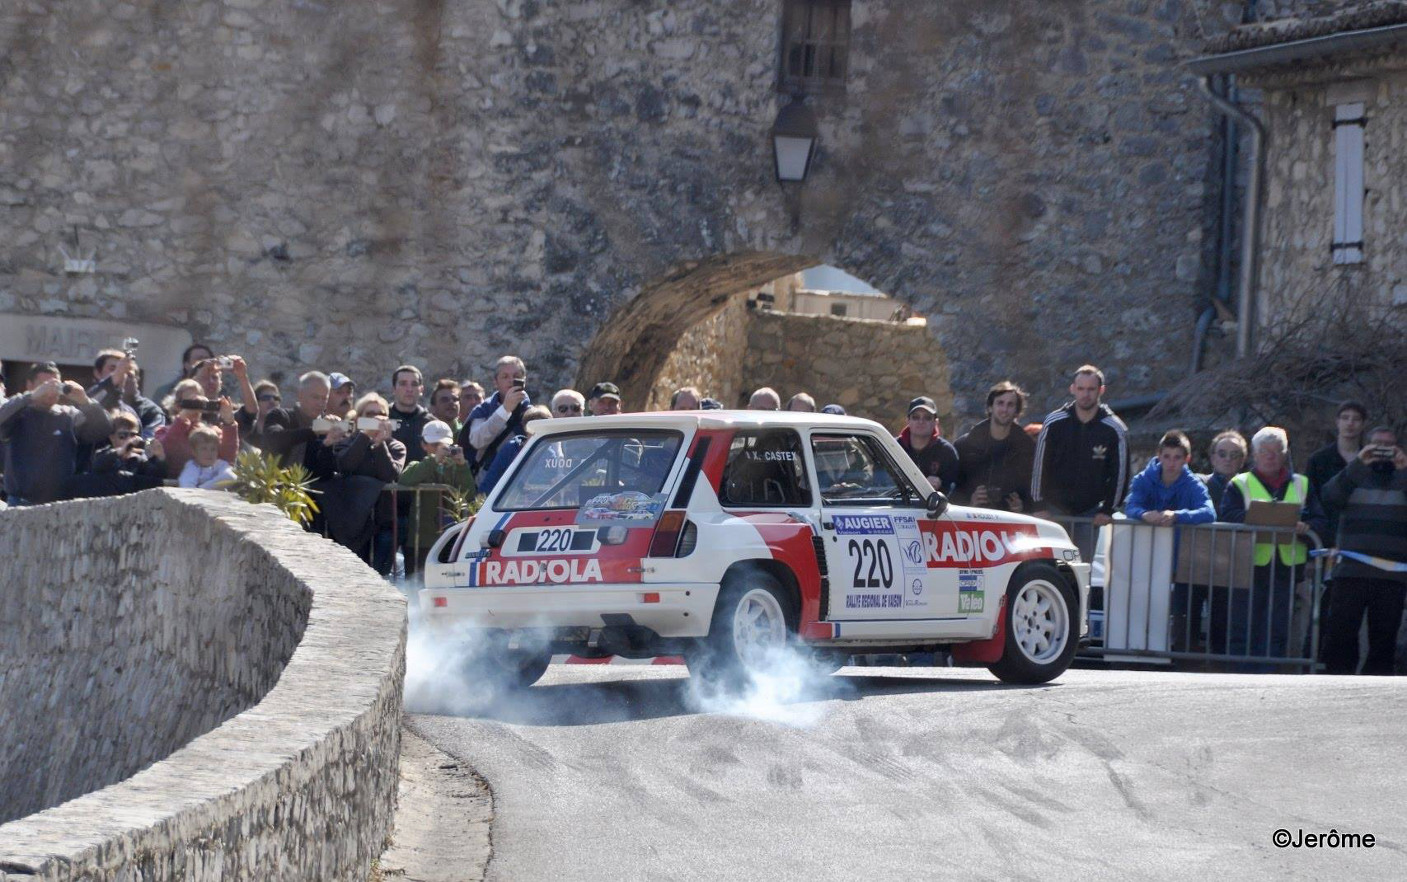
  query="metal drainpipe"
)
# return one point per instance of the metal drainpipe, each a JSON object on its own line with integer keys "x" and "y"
{"x": 1225, "y": 240}
{"x": 1250, "y": 224}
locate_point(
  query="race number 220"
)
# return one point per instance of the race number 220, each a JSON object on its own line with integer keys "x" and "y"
{"x": 880, "y": 571}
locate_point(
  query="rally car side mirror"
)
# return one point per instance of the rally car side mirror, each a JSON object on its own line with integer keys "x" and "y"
{"x": 937, "y": 504}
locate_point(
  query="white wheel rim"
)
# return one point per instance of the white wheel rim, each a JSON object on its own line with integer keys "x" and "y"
{"x": 759, "y": 627}
{"x": 1040, "y": 621}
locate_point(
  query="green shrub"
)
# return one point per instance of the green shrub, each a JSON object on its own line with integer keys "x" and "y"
{"x": 263, "y": 479}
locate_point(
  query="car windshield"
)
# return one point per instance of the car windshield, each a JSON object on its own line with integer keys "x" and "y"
{"x": 569, "y": 470}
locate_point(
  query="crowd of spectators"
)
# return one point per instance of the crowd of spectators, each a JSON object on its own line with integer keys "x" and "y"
{"x": 63, "y": 440}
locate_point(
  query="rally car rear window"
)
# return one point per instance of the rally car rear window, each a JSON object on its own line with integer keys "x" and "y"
{"x": 566, "y": 471}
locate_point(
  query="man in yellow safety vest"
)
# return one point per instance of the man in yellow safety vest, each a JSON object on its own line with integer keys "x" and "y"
{"x": 1260, "y": 623}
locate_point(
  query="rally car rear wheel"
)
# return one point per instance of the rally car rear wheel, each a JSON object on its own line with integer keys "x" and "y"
{"x": 494, "y": 665}
{"x": 1041, "y": 629}
{"x": 753, "y": 624}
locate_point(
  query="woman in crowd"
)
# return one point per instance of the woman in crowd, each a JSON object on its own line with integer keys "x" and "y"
{"x": 366, "y": 460}
{"x": 1228, "y": 454}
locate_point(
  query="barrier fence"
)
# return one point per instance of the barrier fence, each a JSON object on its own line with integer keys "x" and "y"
{"x": 1224, "y": 593}
{"x": 419, "y": 522}
{"x": 1214, "y": 593}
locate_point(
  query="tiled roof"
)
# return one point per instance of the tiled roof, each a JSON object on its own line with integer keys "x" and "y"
{"x": 1351, "y": 17}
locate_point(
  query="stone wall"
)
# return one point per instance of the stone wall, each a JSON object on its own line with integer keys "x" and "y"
{"x": 870, "y": 368}
{"x": 354, "y": 185}
{"x": 193, "y": 688}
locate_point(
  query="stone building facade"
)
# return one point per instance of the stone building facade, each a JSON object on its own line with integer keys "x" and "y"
{"x": 354, "y": 185}
{"x": 1336, "y": 161}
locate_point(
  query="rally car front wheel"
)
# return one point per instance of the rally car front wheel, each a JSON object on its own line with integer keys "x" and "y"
{"x": 752, "y": 627}
{"x": 1042, "y": 630}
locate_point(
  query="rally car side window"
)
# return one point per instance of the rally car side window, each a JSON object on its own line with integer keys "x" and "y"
{"x": 765, "y": 468}
{"x": 853, "y": 470}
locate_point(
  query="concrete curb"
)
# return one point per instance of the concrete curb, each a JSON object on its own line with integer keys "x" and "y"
{"x": 300, "y": 785}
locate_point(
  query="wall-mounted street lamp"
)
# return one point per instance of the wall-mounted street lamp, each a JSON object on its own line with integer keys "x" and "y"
{"x": 794, "y": 138}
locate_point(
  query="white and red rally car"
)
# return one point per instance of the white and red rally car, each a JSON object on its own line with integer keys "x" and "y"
{"x": 726, "y": 535}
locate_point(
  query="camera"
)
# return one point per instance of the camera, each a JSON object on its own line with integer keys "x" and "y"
{"x": 129, "y": 346}
{"x": 200, "y": 404}
{"x": 225, "y": 362}
{"x": 455, "y": 450}
{"x": 323, "y": 425}
{"x": 519, "y": 382}
{"x": 137, "y": 443}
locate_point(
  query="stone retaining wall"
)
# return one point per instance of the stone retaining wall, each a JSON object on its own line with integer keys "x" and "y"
{"x": 223, "y": 687}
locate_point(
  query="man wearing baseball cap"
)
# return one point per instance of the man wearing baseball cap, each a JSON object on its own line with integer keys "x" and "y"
{"x": 921, "y": 440}
{"x": 344, "y": 392}
{"x": 604, "y": 399}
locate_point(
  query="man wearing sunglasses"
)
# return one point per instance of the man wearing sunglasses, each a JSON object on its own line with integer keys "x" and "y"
{"x": 568, "y": 403}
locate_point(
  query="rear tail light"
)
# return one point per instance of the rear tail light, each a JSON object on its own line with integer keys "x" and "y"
{"x": 667, "y": 531}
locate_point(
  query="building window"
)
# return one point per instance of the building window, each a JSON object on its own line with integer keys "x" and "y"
{"x": 1348, "y": 184}
{"x": 838, "y": 309}
{"x": 815, "y": 44}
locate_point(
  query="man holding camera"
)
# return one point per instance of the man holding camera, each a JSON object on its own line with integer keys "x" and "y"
{"x": 118, "y": 387}
{"x": 1370, "y": 496}
{"x": 288, "y": 432}
{"x": 41, "y": 430}
{"x": 495, "y": 420}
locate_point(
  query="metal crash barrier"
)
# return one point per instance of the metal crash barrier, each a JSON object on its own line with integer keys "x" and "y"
{"x": 429, "y": 505}
{"x": 1215, "y": 593}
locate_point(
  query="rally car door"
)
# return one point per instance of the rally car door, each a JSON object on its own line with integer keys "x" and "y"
{"x": 872, "y": 526}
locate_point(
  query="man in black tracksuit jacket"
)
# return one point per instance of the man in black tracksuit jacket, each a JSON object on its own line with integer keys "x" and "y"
{"x": 1082, "y": 455}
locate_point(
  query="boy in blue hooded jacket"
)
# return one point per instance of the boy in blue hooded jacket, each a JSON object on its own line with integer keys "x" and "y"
{"x": 1166, "y": 492}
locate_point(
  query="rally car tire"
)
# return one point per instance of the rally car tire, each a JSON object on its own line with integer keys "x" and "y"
{"x": 506, "y": 669}
{"x": 1042, "y": 630}
{"x": 752, "y": 620}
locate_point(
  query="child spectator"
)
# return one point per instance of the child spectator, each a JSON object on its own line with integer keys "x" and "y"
{"x": 205, "y": 470}
{"x": 129, "y": 464}
{"x": 1166, "y": 492}
{"x": 443, "y": 464}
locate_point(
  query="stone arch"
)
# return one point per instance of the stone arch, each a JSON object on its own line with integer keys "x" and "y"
{"x": 694, "y": 325}
{"x": 633, "y": 344}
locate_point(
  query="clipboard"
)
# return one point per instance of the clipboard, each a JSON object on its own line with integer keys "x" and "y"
{"x": 1272, "y": 514}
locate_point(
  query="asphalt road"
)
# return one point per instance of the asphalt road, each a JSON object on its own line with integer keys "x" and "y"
{"x": 906, "y": 774}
